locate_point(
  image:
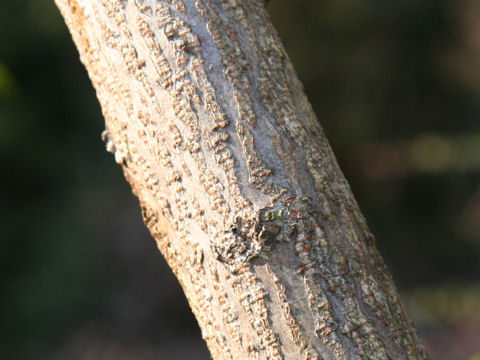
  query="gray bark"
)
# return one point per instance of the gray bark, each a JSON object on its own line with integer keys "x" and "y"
{"x": 237, "y": 182}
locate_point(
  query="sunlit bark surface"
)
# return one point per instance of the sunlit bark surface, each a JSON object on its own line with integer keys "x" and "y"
{"x": 237, "y": 182}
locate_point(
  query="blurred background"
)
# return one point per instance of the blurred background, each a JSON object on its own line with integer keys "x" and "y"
{"x": 396, "y": 86}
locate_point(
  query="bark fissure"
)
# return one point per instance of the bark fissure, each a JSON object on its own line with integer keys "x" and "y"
{"x": 237, "y": 182}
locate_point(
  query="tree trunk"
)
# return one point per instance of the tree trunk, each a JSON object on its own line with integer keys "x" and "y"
{"x": 237, "y": 182}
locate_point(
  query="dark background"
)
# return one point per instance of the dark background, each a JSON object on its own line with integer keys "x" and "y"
{"x": 395, "y": 84}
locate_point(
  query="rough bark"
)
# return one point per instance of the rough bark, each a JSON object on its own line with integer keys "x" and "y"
{"x": 237, "y": 182}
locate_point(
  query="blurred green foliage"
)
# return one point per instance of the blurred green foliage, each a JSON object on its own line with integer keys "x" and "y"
{"x": 395, "y": 84}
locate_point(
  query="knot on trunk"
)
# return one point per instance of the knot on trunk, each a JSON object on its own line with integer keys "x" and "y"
{"x": 247, "y": 236}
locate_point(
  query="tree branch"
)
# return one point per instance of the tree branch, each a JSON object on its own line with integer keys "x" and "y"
{"x": 237, "y": 182}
